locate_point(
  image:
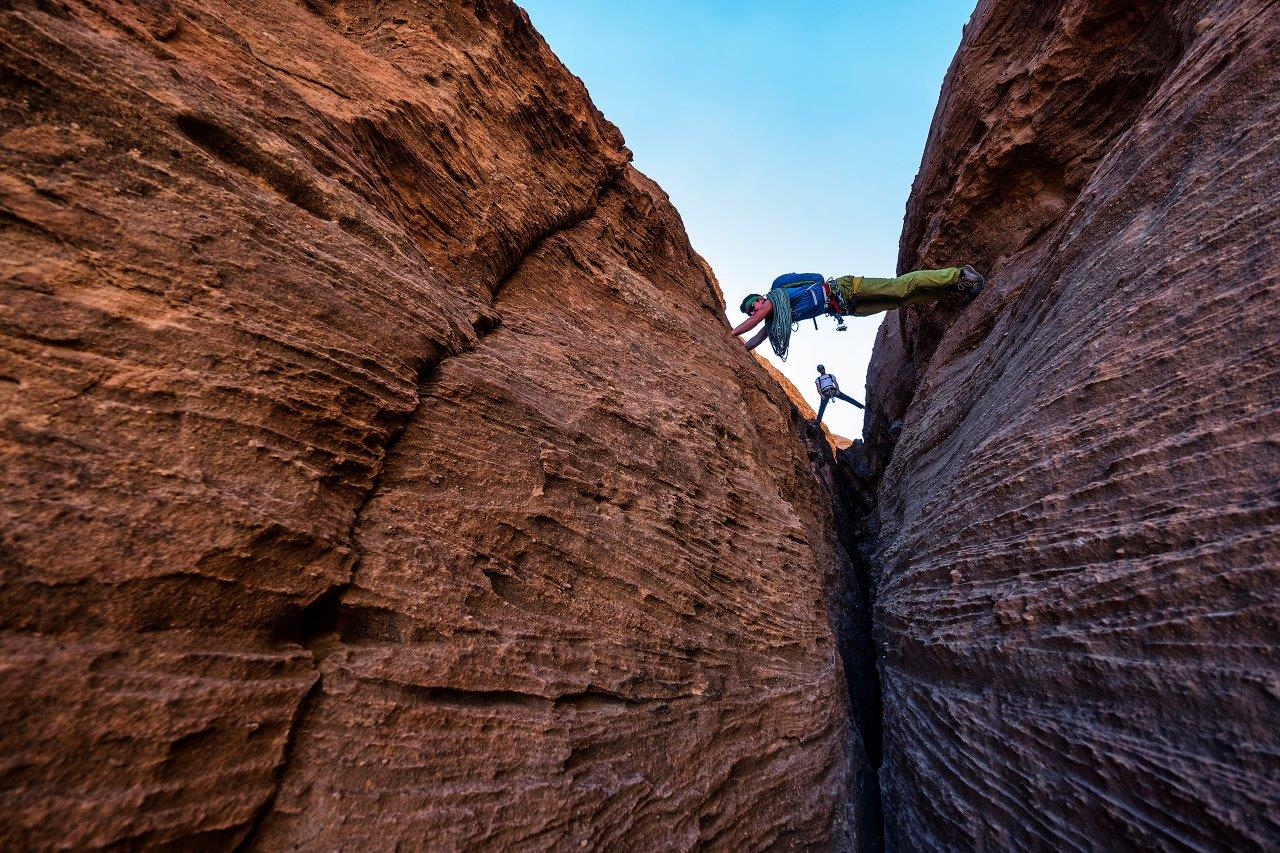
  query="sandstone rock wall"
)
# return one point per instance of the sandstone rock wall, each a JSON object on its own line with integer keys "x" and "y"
{"x": 1076, "y": 561}
{"x": 377, "y": 468}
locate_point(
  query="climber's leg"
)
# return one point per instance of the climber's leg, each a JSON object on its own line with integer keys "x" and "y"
{"x": 919, "y": 283}
{"x": 848, "y": 399}
{"x": 868, "y": 296}
{"x": 822, "y": 407}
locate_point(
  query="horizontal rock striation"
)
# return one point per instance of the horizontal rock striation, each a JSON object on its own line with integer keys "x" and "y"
{"x": 1076, "y": 559}
{"x": 377, "y": 468}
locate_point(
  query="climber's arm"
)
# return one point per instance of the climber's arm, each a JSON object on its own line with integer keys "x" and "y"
{"x": 762, "y": 312}
{"x": 757, "y": 338}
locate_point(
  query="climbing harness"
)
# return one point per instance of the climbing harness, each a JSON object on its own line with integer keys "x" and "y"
{"x": 845, "y": 301}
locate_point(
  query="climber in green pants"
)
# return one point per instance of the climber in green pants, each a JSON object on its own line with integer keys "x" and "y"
{"x": 803, "y": 296}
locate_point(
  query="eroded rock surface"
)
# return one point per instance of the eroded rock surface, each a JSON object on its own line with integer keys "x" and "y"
{"x": 377, "y": 467}
{"x": 1077, "y": 559}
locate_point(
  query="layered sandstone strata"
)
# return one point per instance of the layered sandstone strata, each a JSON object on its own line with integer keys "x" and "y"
{"x": 378, "y": 469}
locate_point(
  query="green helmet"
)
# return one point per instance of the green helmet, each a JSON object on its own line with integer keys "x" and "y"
{"x": 748, "y": 302}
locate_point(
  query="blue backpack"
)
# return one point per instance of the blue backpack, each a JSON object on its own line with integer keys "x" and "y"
{"x": 806, "y": 293}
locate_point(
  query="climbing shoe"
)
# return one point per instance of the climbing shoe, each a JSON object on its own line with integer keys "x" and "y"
{"x": 971, "y": 283}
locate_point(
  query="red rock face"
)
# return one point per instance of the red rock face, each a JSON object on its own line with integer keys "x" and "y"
{"x": 377, "y": 466}
{"x": 1077, "y": 560}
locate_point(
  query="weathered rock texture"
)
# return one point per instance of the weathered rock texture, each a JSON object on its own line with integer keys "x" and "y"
{"x": 377, "y": 468}
{"x": 1077, "y": 564}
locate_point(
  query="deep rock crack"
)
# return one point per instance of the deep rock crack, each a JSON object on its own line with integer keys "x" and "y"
{"x": 323, "y": 616}
{"x": 852, "y": 499}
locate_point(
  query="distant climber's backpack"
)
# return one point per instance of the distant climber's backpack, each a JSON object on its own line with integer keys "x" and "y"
{"x": 806, "y": 292}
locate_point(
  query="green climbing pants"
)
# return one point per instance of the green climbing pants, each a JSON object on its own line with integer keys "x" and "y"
{"x": 862, "y": 297}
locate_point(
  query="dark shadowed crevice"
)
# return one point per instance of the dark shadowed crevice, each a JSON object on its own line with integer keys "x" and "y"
{"x": 852, "y": 500}
{"x": 321, "y": 617}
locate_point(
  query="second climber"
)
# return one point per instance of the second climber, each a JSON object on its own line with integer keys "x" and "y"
{"x": 828, "y": 390}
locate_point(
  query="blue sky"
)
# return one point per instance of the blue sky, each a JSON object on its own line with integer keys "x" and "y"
{"x": 786, "y": 133}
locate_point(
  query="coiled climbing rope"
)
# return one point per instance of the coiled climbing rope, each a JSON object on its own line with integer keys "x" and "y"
{"x": 780, "y": 322}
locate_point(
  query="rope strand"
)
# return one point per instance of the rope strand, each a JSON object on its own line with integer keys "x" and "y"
{"x": 780, "y": 322}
